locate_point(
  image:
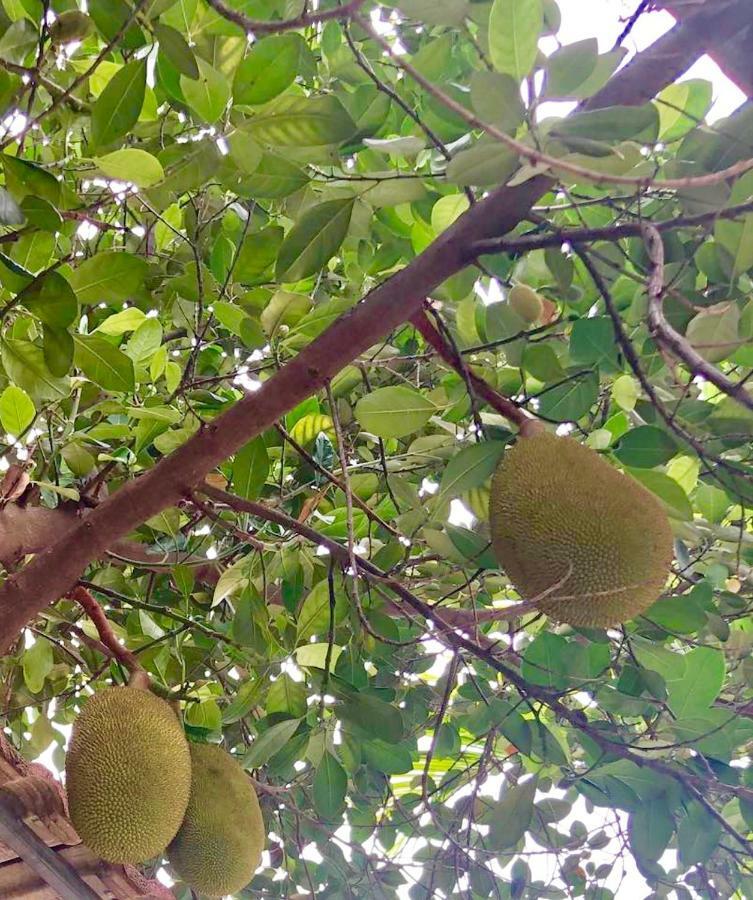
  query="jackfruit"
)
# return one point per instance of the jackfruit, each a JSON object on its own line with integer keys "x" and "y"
{"x": 128, "y": 774}
{"x": 71, "y": 25}
{"x": 526, "y": 302}
{"x": 219, "y": 845}
{"x": 590, "y": 546}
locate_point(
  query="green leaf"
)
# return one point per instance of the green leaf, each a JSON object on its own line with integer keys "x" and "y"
{"x": 118, "y": 107}
{"x": 394, "y": 411}
{"x": 250, "y": 469}
{"x": 650, "y": 829}
{"x": 109, "y": 277}
{"x": 391, "y": 759}
{"x": 270, "y": 742}
{"x": 681, "y": 106}
{"x": 569, "y": 67}
{"x": 302, "y": 122}
{"x": 316, "y": 612}
{"x": 269, "y": 68}
{"x": 484, "y": 164}
{"x": 51, "y": 299}
{"x": 511, "y": 816}
{"x": 58, "y": 350}
{"x": 715, "y": 331}
{"x": 119, "y": 323}
{"x": 570, "y": 400}
{"x": 611, "y": 124}
{"x": 704, "y": 676}
{"x": 544, "y": 661}
{"x": 470, "y": 468}
{"x": 25, "y": 365}
{"x": 209, "y": 94}
{"x": 176, "y": 49}
{"x": 17, "y": 410}
{"x": 592, "y": 342}
{"x": 275, "y": 177}
{"x": 435, "y": 12}
{"x": 132, "y": 164}
{"x": 514, "y": 30}
{"x": 697, "y": 835}
{"x": 373, "y": 717}
{"x": 287, "y": 696}
{"x": 314, "y": 240}
{"x": 104, "y": 364}
{"x": 668, "y": 491}
{"x": 330, "y": 786}
{"x": 645, "y": 447}
{"x": 37, "y": 663}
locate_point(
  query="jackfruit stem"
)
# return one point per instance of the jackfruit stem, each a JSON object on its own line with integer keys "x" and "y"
{"x": 531, "y": 427}
{"x": 111, "y": 646}
{"x": 140, "y": 679}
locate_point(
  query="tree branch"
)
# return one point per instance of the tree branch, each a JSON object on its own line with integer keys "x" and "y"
{"x": 259, "y": 26}
{"x": 610, "y": 233}
{"x": 666, "y": 336}
{"x": 503, "y": 405}
{"x": 57, "y": 568}
{"x": 104, "y": 630}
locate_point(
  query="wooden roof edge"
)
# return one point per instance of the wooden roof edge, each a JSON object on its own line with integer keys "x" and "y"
{"x": 34, "y": 815}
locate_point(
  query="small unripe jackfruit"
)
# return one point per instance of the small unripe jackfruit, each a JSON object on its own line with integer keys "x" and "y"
{"x": 71, "y": 25}
{"x": 526, "y": 302}
{"x": 219, "y": 845}
{"x": 591, "y": 546}
{"x": 128, "y": 774}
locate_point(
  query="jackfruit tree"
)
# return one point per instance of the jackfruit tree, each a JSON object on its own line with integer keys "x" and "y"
{"x": 377, "y": 456}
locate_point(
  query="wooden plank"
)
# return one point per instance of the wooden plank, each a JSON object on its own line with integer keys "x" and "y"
{"x": 51, "y": 867}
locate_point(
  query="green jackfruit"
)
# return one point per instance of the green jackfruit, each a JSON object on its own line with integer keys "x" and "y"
{"x": 71, "y": 25}
{"x": 526, "y": 302}
{"x": 218, "y": 847}
{"x": 128, "y": 774}
{"x": 590, "y": 546}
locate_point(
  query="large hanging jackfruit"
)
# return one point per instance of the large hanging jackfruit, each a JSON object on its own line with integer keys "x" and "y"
{"x": 219, "y": 845}
{"x": 128, "y": 774}
{"x": 591, "y": 546}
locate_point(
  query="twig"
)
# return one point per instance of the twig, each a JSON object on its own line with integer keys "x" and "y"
{"x": 667, "y": 337}
{"x": 259, "y": 26}
{"x": 333, "y": 479}
{"x": 610, "y": 233}
{"x": 503, "y": 405}
{"x": 95, "y": 612}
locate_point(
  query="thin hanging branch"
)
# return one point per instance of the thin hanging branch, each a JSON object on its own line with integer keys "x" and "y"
{"x": 538, "y": 158}
{"x": 666, "y": 336}
{"x": 122, "y": 654}
{"x": 503, "y": 405}
{"x": 260, "y": 26}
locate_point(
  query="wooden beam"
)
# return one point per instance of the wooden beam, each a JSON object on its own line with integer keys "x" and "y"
{"x": 47, "y": 864}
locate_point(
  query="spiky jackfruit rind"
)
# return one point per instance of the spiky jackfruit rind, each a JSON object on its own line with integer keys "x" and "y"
{"x": 566, "y": 522}
{"x": 219, "y": 845}
{"x": 128, "y": 775}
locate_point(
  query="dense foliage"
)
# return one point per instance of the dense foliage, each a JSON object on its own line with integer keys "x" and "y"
{"x": 185, "y": 212}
